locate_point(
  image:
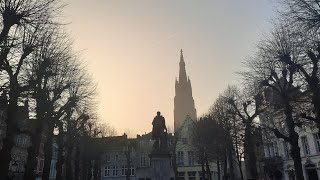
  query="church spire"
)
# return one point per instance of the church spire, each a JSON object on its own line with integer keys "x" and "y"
{"x": 183, "y": 100}
{"x": 182, "y": 71}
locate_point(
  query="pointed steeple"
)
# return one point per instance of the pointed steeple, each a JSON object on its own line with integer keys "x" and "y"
{"x": 182, "y": 71}
{"x": 183, "y": 100}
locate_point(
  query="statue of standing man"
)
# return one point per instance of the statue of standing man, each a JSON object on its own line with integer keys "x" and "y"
{"x": 159, "y": 133}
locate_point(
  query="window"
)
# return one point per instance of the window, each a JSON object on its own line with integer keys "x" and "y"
{"x": 107, "y": 171}
{"x": 180, "y": 158}
{"x": 192, "y": 175}
{"x": 317, "y": 142}
{"x": 132, "y": 171}
{"x": 143, "y": 160}
{"x": 191, "y": 158}
{"x": 305, "y": 145}
{"x": 110, "y": 171}
{"x": 180, "y": 175}
{"x": 201, "y": 175}
{"x": 114, "y": 170}
{"x": 124, "y": 169}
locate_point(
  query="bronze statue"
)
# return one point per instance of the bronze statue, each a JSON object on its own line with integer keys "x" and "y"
{"x": 159, "y": 133}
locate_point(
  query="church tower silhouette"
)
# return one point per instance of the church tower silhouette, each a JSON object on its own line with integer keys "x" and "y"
{"x": 183, "y": 100}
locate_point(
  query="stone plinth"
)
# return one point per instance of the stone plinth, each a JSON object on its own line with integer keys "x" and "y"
{"x": 160, "y": 166}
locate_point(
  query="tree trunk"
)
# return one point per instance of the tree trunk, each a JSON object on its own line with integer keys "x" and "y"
{"x": 313, "y": 83}
{"x": 89, "y": 170}
{"x": 60, "y": 159}
{"x": 11, "y": 131}
{"x": 208, "y": 169}
{"x": 96, "y": 169}
{"x": 239, "y": 159}
{"x": 316, "y": 105}
{"x": 230, "y": 159}
{"x": 237, "y": 150}
{"x": 85, "y": 163}
{"x": 77, "y": 161}
{"x": 249, "y": 148}
{"x": 293, "y": 140}
{"x": 202, "y": 167}
{"x": 33, "y": 151}
{"x": 240, "y": 169}
{"x": 69, "y": 150}
{"x": 48, "y": 152}
{"x": 4, "y": 33}
{"x": 84, "y": 168}
{"x": 8, "y": 143}
{"x": 218, "y": 169}
{"x": 225, "y": 166}
{"x": 295, "y": 154}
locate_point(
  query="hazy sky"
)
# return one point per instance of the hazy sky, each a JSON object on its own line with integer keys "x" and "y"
{"x": 132, "y": 50}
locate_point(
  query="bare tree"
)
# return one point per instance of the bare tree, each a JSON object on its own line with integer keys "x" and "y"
{"x": 303, "y": 14}
{"x": 248, "y": 112}
{"x": 24, "y": 25}
{"x": 306, "y": 63}
{"x": 106, "y": 129}
{"x": 49, "y": 77}
{"x": 208, "y": 140}
{"x": 267, "y": 70}
{"x": 227, "y": 117}
{"x": 21, "y": 16}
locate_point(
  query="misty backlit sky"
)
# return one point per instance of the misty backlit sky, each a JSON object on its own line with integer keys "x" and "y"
{"x": 132, "y": 50}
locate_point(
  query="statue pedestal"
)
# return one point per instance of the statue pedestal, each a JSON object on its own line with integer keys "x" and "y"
{"x": 160, "y": 165}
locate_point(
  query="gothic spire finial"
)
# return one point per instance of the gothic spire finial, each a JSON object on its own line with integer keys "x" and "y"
{"x": 182, "y": 71}
{"x": 181, "y": 55}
